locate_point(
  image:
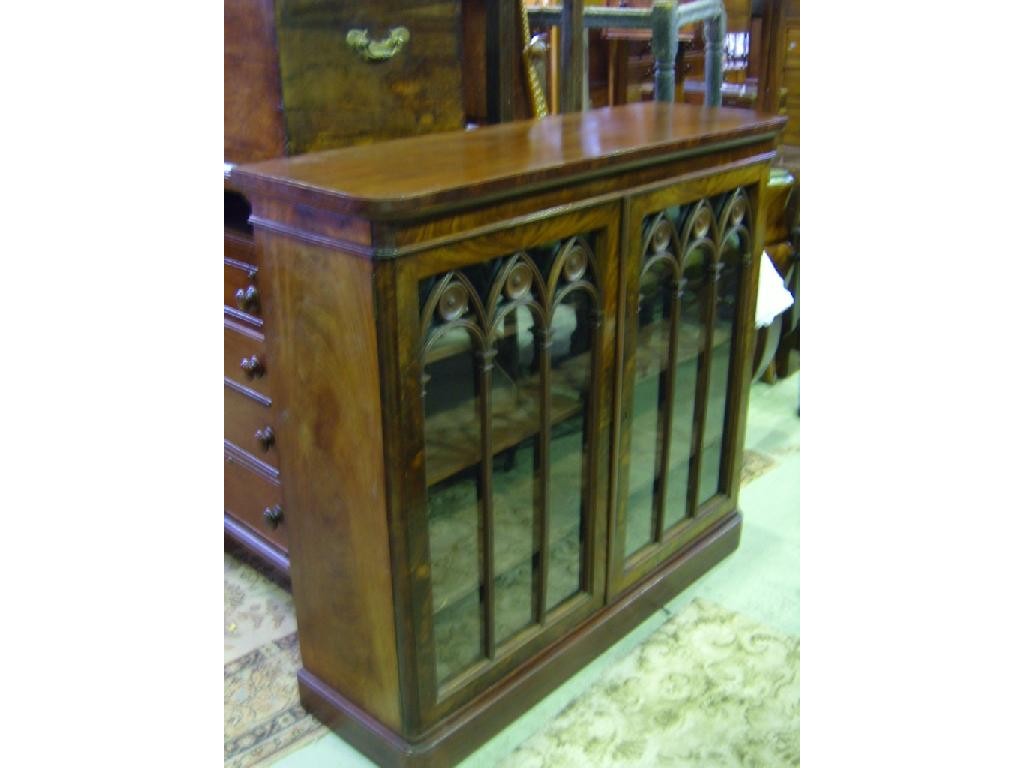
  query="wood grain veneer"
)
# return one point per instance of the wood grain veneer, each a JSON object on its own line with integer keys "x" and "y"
{"x": 329, "y": 419}
{"x": 408, "y": 176}
{"x": 253, "y": 128}
{"x": 353, "y": 244}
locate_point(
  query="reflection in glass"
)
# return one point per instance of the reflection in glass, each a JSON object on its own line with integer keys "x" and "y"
{"x": 650, "y": 390}
{"x": 689, "y": 345}
{"x": 516, "y": 473}
{"x": 452, "y": 438}
{"x": 727, "y": 289}
{"x": 571, "y": 347}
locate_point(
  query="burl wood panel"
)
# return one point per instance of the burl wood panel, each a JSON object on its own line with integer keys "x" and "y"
{"x": 253, "y": 124}
{"x": 332, "y": 97}
{"x": 415, "y": 174}
{"x": 320, "y": 315}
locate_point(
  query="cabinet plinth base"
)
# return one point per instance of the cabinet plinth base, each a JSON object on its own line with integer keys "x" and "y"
{"x": 472, "y": 725}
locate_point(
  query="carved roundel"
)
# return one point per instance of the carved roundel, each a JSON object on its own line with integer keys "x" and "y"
{"x": 662, "y": 236}
{"x": 453, "y": 302}
{"x": 517, "y": 284}
{"x": 702, "y": 222}
{"x": 575, "y": 264}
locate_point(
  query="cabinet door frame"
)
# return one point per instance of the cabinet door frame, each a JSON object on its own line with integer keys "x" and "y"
{"x": 752, "y": 175}
{"x": 423, "y": 704}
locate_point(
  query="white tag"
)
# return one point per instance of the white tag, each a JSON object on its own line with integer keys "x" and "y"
{"x": 772, "y": 296}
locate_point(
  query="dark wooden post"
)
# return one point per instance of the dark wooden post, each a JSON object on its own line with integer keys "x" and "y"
{"x": 769, "y": 76}
{"x": 502, "y": 34}
{"x": 573, "y": 52}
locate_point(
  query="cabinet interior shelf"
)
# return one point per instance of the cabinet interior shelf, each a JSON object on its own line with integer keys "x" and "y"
{"x": 452, "y": 436}
{"x": 451, "y": 344}
{"x": 652, "y": 345}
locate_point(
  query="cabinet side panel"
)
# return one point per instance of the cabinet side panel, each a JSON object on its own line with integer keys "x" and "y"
{"x": 322, "y": 337}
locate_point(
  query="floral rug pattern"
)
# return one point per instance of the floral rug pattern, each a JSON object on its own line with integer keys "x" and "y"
{"x": 263, "y": 720}
{"x": 709, "y": 689}
{"x": 262, "y": 715}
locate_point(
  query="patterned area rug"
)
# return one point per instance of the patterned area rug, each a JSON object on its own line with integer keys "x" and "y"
{"x": 710, "y": 688}
{"x": 263, "y": 720}
{"x": 754, "y": 465}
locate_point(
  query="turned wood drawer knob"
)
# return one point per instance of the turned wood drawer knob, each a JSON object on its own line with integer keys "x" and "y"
{"x": 253, "y": 367}
{"x": 265, "y": 437}
{"x": 273, "y": 515}
{"x": 248, "y": 299}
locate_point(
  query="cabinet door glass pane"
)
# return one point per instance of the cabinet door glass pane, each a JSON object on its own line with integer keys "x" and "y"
{"x": 507, "y": 365}
{"x": 650, "y": 393}
{"x": 517, "y": 477}
{"x": 452, "y": 441}
{"x": 571, "y": 351}
{"x": 689, "y": 347}
{"x": 727, "y": 296}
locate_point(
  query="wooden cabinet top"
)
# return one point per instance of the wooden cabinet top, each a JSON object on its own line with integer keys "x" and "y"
{"x": 408, "y": 176}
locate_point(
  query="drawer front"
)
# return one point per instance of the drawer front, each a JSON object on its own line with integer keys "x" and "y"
{"x": 239, "y": 247}
{"x": 245, "y": 358}
{"x": 241, "y": 290}
{"x": 249, "y": 424}
{"x": 339, "y": 90}
{"x": 251, "y": 499}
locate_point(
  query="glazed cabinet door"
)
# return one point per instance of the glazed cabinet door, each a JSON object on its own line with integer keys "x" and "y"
{"x": 506, "y": 348}
{"x": 688, "y": 283}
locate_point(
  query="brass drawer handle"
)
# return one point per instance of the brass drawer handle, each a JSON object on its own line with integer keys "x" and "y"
{"x": 377, "y": 50}
{"x": 248, "y": 299}
{"x": 273, "y": 515}
{"x": 253, "y": 367}
{"x": 265, "y": 437}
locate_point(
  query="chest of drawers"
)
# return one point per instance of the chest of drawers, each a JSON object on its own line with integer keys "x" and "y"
{"x": 253, "y": 509}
